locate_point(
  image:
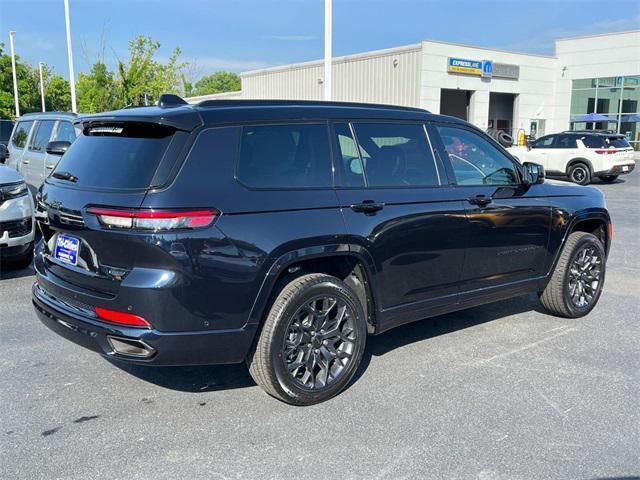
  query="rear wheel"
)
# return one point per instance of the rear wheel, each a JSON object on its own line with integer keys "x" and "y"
{"x": 576, "y": 283}
{"x": 608, "y": 178}
{"x": 580, "y": 173}
{"x": 312, "y": 341}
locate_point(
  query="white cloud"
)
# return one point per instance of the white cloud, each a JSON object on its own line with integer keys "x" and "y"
{"x": 207, "y": 65}
{"x": 544, "y": 41}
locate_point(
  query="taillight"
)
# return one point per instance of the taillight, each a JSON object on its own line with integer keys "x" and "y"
{"x": 607, "y": 151}
{"x": 121, "y": 318}
{"x": 154, "y": 219}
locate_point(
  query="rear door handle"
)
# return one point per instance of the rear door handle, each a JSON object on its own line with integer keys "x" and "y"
{"x": 25, "y": 162}
{"x": 480, "y": 200}
{"x": 367, "y": 206}
{"x": 50, "y": 167}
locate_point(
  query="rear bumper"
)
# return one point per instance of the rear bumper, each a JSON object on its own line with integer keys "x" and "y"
{"x": 621, "y": 169}
{"x": 169, "y": 349}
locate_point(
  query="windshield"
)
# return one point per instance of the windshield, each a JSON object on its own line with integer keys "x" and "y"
{"x": 121, "y": 157}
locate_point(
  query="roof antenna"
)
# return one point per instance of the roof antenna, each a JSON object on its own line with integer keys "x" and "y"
{"x": 168, "y": 100}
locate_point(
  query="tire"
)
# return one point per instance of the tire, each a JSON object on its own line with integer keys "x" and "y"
{"x": 557, "y": 296}
{"x": 580, "y": 173}
{"x": 608, "y": 178}
{"x": 282, "y": 371}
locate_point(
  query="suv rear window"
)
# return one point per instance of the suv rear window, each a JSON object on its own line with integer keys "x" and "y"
{"x": 618, "y": 142}
{"x": 285, "y": 156}
{"x": 121, "y": 157}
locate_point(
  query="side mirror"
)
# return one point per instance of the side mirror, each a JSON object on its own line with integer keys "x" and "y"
{"x": 4, "y": 152}
{"x": 533, "y": 173}
{"x": 57, "y": 148}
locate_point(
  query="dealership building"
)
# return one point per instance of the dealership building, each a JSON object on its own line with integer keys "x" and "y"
{"x": 489, "y": 87}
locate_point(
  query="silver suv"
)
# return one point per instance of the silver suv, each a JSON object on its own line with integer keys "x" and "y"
{"x": 28, "y": 144}
{"x": 16, "y": 219}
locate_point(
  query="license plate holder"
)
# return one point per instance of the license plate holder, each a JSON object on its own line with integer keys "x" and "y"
{"x": 67, "y": 248}
{"x": 625, "y": 168}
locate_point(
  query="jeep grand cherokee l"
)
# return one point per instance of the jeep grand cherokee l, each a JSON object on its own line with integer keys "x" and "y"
{"x": 282, "y": 233}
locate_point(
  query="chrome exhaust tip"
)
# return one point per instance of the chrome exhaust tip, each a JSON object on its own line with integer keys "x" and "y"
{"x": 129, "y": 347}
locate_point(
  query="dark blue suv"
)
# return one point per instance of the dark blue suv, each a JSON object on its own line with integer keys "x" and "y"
{"x": 282, "y": 233}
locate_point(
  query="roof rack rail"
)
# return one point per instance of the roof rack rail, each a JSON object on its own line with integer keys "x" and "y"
{"x": 318, "y": 103}
{"x": 169, "y": 100}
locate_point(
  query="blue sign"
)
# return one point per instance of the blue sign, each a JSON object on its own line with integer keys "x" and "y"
{"x": 67, "y": 249}
{"x": 461, "y": 65}
{"x": 487, "y": 68}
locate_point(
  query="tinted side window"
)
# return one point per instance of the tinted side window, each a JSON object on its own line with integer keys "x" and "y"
{"x": 43, "y": 134}
{"x": 20, "y": 134}
{"x": 396, "y": 154}
{"x": 5, "y": 130}
{"x": 349, "y": 163}
{"x": 545, "y": 142}
{"x": 65, "y": 133}
{"x": 285, "y": 156}
{"x": 565, "y": 141}
{"x": 475, "y": 160}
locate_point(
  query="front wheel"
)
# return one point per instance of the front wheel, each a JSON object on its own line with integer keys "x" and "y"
{"x": 576, "y": 283}
{"x": 312, "y": 341}
{"x": 608, "y": 178}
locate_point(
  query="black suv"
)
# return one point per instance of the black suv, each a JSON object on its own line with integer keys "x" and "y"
{"x": 282, "y": 233}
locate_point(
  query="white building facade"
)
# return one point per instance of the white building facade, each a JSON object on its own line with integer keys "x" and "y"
{"x": 491, "y": 88}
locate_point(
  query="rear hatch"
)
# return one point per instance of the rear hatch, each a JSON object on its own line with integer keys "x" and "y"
{"x": 112, "y": 165}
{"x": 615, "y": 147}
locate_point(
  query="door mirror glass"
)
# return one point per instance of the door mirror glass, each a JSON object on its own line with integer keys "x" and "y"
{"x": 57, "y": 147}
{"x": 533, "y": 173}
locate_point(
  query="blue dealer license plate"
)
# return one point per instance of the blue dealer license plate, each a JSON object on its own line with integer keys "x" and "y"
{"x": 67, "y": 249}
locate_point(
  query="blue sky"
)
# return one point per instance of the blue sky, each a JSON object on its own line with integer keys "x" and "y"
{"x": 242, "y": 35}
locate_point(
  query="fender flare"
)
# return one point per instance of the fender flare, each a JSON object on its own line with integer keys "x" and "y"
{"x": 308, "y": 253}
{"x": 575, "y": 160}
{"x": 577, "y": 217}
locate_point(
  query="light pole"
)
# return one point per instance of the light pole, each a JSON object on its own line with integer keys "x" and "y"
{"x": 40, "y": 64}
{"x": 72, "y": 79}
{"x": 15, "y": 80}
{"x": 327, "y": 48}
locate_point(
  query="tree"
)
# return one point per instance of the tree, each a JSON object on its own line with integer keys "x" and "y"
{"x": 97, "y": 90}
{"x": 57, "y": 92}
{"x": 142, "y": 79}
{"x": 217, "y": 83}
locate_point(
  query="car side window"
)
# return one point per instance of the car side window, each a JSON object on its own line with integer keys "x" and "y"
{"x": 65, "y": 132}
{"x": 39, "y": 141}
{"x": 285, "y": 156}
{"x": 545, "y": 142}
{"x": 396, "y": 154}
{"x": 348, "y": 158}
{"x": 565, "y": 141}
{"x": 21, "y": 133}
{"x": 475, "y": 160}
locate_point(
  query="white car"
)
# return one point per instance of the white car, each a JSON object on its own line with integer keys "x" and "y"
{"x": 581, "y": 155}
{"x": 17, "y": 233}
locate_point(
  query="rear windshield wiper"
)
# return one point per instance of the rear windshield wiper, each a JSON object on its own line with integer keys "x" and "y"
{"x": 65, "y": 176}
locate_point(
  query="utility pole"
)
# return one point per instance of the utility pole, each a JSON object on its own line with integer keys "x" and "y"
{"x": 15, "y": 80}
{"x": 40, "y": 64}
{"x": 72, "y": 78}
{"x": 327, "y": 48}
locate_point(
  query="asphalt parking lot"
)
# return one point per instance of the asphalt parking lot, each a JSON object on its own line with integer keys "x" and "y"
{"x": 502, "y": 391}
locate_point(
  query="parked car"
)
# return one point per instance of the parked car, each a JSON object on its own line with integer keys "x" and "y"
{"x": 17, "y": 231}
{"x": 6, "y": 126}
{"x": 28, "y": 145}
{"x": 282, "y": 233}
{"x": 582, "y": 155}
